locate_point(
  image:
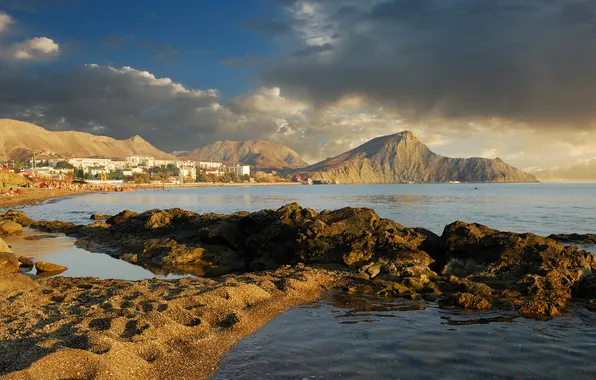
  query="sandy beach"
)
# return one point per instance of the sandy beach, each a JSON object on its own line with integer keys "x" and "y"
{"x": 111, "y": 329}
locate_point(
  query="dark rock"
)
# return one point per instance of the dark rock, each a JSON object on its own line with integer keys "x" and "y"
{"x": 539, "y": 268}
{"x": 575, "y": 238}
{"x": 8, "y": 227}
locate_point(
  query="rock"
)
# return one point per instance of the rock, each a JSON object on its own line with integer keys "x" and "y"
{"x": 541, "y": 270}
{"x": 99, "y": 217}
{"x": 538, "y": 309}
{"x": 121, "y": 217}
{"x": 471, "y": 301}
{"x": 371, "y": 270}
{"x": 157, "y": 219}
{"x": 26, "y": 262}
{"x": 130, "y": 257}
{"x": 40, "y": 237}
{"x": 15, "y": 281}
{"x": 43, "y": 266}
{"x": 8, "y": 263}
{"x": 9, "y": 227}
{"x": 4, "y": 247}
{"x": 98, "y": 224}
{"x": 574, "y": 238}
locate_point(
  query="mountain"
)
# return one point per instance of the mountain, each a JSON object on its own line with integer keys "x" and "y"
{"x": 261, "y": 154}
{"x": 19, "y": 139}
{"x": 583, "y": 172}
{"x": 401, "y": 157}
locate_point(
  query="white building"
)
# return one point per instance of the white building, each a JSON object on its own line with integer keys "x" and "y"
{"x": 189, "y": 172}
{"x": 240, "y": 170}
{"x": 90, "y": 162}
{"x": 209, "y": 165}
{"x": 140, "y": 161}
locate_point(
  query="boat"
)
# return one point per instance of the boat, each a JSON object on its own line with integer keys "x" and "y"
{"x": 453, "y": 182}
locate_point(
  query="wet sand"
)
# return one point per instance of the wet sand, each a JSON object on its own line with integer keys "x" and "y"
{"x": 167, "y": 329}
{"x": 34, "y": 196}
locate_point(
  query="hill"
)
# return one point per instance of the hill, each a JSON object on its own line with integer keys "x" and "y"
{"x": 261, "y": 154}
{"x": 18, "y": 140}
{"x": 401, "y": 158}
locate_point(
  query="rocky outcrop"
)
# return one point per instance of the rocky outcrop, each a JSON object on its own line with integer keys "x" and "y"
{"x": 469, "y": 266}
{"x": 539, "y": 271}
{"x": 401, "y": 158}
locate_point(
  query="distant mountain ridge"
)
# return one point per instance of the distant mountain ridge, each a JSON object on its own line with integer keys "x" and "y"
{"x": 19, "y": 140}
{"x": 261, "y": 154}
{"x": 402, "y": 158}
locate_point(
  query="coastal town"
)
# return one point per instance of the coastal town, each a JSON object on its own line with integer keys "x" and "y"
{"x": 133, "y": 169}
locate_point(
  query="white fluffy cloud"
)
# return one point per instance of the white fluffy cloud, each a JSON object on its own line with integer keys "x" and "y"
{"x": 34, "y": 49}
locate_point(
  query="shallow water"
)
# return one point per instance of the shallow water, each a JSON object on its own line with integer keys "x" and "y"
{"x": 60, "y": 249}
{"x": 362, "y": 337}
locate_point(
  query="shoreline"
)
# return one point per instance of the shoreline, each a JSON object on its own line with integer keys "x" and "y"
{"x": 265, "y": 262}
{"x": 143, "y": 329}
{"x": 34, "y": 196}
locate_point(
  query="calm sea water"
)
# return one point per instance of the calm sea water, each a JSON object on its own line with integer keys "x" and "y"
{"x": 540, "y": 208}
{"x": 359, "y": 337}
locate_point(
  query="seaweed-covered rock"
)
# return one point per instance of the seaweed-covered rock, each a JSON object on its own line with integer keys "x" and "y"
{"x": 542, "y": 270}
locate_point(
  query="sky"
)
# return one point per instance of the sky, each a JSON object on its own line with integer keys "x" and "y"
{"x": 491, "y": 78}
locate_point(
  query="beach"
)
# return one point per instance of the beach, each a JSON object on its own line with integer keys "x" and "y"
{"x": 109, "y": 329}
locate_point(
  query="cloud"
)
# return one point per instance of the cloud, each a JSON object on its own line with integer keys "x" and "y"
{"x": 122, "y": 102}
{"x": 34, "y": 49}
{"x": 530, "y": 61}
{"x": 267, "y": 101}
{"x": 5, "y": 21}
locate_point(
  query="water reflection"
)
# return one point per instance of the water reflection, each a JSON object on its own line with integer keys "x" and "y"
{"x": 312, "y": 342}
{"x": 60, "y": 249}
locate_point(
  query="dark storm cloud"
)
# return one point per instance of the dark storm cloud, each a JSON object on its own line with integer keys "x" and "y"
{"x": 527, "y": 60}
{"x": 123, "y": 102}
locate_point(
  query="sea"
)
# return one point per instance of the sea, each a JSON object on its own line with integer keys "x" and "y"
{"x": 363, "y": 337}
